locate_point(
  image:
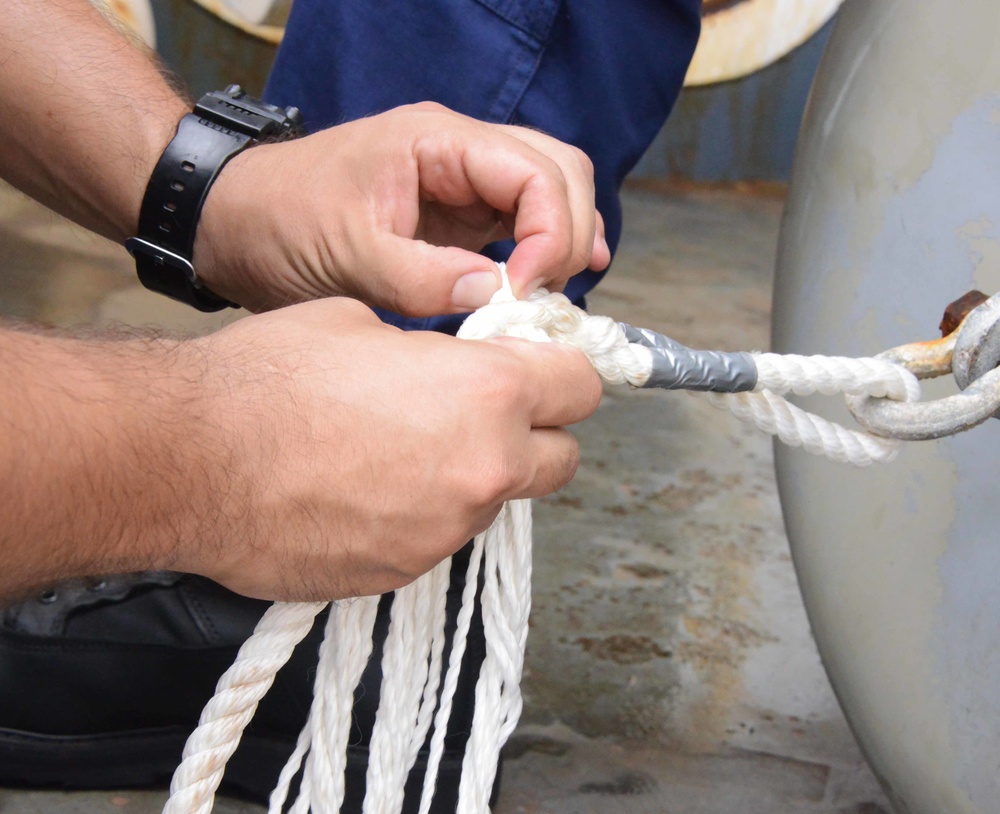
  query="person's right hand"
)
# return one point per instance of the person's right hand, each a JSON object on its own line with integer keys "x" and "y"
{"x": 357, "y": 456}
{"x": 393, "y": 209}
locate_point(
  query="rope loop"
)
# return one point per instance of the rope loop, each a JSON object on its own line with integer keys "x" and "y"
{"x": 970, "y": 353}
{"x": 828, "y": 375}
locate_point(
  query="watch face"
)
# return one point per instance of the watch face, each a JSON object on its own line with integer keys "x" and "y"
{"x": 235, "y": 109}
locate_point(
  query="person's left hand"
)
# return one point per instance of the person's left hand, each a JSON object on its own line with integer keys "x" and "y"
{"x": 392, "y": 209}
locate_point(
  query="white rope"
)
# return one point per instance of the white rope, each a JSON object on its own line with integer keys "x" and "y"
{"x": 828, "y": 375}
{"x": 797, "y": 428}
{"x": 506, "y": 606}
{"x": 413, "y": 672}
{"x": 546, "y": 317}
{"x": 461, "y": 636}
{"x": 192, "y": 790}
{"x": 804, "y": 375}
{"x": 342, "y": 659}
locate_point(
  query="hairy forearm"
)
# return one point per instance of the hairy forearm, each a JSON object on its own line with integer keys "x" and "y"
{"x": 102, "y": 469}
{"x": 84, "y": 112}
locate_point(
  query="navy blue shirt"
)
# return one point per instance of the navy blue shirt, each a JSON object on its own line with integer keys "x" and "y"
{"x": 599, "y": 74}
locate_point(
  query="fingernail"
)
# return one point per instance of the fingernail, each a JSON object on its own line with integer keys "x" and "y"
{"x": 474, "y": 289}
{"x": 531, "y": 288}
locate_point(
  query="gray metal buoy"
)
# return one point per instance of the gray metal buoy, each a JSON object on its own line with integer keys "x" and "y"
{"x": 894, "y": 211}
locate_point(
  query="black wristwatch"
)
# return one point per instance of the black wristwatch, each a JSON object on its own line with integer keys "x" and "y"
{"x": 223, "y": 124}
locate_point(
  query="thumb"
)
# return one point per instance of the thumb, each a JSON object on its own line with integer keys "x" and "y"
{"x": 418, "y": 279}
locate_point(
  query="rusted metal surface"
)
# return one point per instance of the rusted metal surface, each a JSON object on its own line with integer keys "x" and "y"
{"x": 925, "y": 360}
{"x": 958, "y": 310}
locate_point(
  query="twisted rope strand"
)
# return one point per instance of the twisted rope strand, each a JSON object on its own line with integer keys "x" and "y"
{"x": 450, "y": 686}
{"x": 409, "y": 683}
{"x": 342, "y": 659}
{"x": 804, "y": 375}
{"x": 506, "y": 607}
{"x": 208, "y": 749}
{"x": 276, "y": 801}
{"x": 797, "y": 428}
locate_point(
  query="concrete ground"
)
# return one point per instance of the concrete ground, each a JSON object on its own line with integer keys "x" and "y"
{"x": 670, "y": 667}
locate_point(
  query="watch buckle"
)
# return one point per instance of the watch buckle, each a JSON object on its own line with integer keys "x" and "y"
{"x": 162, "y": 257}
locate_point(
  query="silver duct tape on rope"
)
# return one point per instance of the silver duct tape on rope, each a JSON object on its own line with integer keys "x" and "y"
{"x": 678, "y": 367}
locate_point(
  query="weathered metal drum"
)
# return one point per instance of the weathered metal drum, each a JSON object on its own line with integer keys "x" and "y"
{"x": 894, "y": 211}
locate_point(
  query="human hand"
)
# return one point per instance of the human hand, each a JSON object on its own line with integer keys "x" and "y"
{"x": 357, "y": 456}
{"x": 392, "y": 209}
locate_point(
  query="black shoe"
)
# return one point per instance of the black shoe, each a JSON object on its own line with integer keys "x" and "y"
{"x": 102, "y": 681}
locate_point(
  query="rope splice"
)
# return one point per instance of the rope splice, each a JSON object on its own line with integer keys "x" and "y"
{"x": 751, "y": 385}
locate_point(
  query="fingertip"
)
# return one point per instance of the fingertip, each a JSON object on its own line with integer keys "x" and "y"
{"x": 532, "y": 265}
{"x": 600, "y": 256}
{"x": 557, "y": 453}
{"x": 420, "y": 279}
{"x": 475, "y": 289}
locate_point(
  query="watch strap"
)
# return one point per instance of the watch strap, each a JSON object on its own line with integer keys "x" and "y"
{"x": 224, "y": 123}
{"x": 174, "y": 197}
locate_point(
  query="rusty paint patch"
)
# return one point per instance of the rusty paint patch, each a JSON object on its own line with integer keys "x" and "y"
{"x": 564, "y": 501}
{"x": 643, "y": 570}
{"x": 523, "y": 744}
{"x": 694, "y": 486}
{"x": 718, "y": 640}
{"x": 623, "y": 649}
{"x": 626, "y": 784}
